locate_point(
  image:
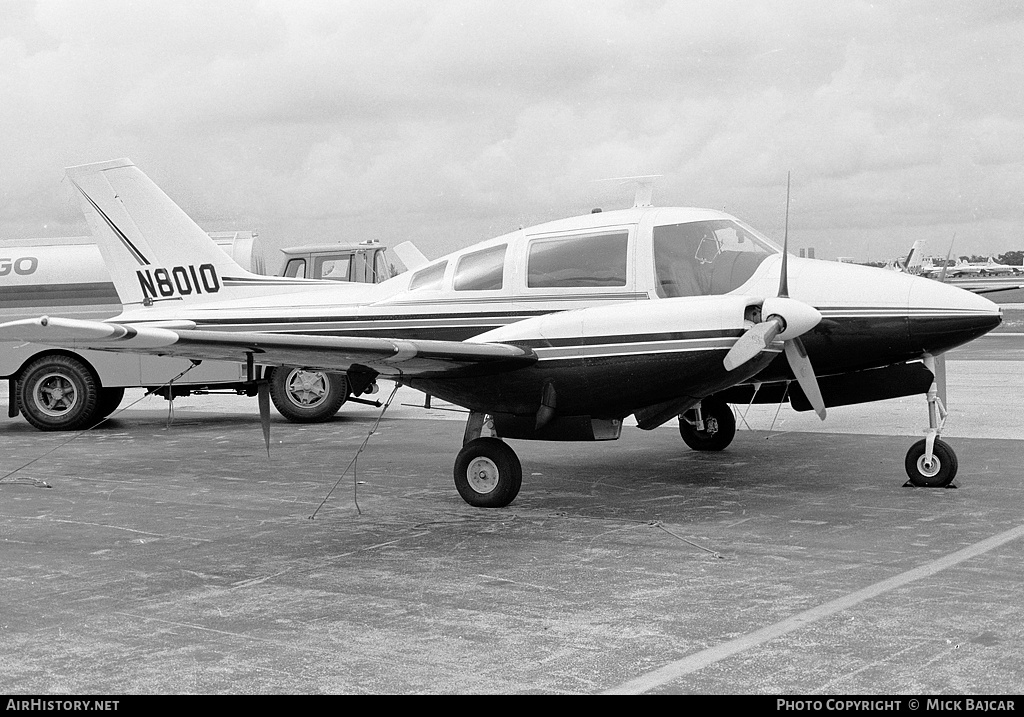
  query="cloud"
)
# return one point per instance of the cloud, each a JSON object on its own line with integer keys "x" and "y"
{"x": 447, "y": 121}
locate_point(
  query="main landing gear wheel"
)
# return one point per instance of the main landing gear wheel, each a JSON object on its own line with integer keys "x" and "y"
{"x": 719, "y": 426}
{"x": 937, "y": 473}
{"x": 307, "y": 396}
{"x": 488, "y": 473}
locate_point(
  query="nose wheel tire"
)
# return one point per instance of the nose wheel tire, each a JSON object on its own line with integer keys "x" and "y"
{"x": 719, "y": 426}
{"x": 488, "y": 473}
{"x": 937, "y": 473}
{"x": 307, "y": 396}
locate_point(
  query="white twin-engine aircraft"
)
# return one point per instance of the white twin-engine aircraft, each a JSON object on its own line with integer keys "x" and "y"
{"x": 555, "y": 332}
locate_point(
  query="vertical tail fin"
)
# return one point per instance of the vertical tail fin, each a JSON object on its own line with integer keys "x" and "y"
{"x": 914, "y": 258}
{"x": 153, "y": 250}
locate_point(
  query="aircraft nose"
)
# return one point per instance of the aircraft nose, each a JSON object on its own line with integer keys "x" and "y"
{"x": 944, "y": 316}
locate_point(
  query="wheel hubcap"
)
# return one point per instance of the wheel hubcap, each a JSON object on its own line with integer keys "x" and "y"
{"x": 929, "y": 469}
{"x": 55, "y": 395}
{"x": 307, "y": 388}
{"x": 482, "y": 475}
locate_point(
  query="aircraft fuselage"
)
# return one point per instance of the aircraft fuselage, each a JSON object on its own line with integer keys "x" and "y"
{"x": 549, "y": 288}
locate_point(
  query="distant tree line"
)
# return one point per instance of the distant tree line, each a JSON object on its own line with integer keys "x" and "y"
{"x": 1011, "y": 258}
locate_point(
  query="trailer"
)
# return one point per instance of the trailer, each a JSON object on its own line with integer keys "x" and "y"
{"x": 63, "y": 389}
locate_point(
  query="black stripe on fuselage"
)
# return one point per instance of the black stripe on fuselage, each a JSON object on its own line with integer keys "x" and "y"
{"x": 500, "y": 319}
{"x": 610, "y": 297}
{"x": 630, "y": 338}
{"x": 270, "y": 281}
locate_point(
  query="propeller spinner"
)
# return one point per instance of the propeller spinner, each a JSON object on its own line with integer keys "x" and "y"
{"x": 787, "y": 320}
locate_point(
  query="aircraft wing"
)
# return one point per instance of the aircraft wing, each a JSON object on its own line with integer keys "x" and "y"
{"x": 389, "y": 357}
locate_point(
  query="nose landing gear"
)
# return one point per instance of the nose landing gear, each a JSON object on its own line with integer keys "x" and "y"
{"x": 931, "y": 463}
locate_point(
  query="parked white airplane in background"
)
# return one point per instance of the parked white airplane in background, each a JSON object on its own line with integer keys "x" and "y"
{"x": 556, "y": 332}
{"x": 985, "y": 280}
{"x": 993, "y": 267}
{"x": 964, "y": 268}
{"x": 929, "y": 268}
{"x": 983, "y": 268}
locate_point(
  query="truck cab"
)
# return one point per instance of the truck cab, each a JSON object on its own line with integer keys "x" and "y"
{"x": 365, "y": 262}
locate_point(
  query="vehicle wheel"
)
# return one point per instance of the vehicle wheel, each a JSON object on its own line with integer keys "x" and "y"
{"x": 488, "y": 473}
{"x": 719, "y": 426}
{"x": 307, "y": 396}
{"x": 939, "y": 473}
{"x": 110, "y": 399}
{"x": 59, "y": 393}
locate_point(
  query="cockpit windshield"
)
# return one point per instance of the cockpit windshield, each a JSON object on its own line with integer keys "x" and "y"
{"x": 708, "y": 257}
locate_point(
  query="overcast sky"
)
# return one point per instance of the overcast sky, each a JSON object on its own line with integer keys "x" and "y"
{"x": 451, "y": 122}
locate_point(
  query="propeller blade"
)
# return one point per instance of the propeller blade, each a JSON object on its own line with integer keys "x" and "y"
{"x": 945, "y": 264}
{"x": 755, "y": 340}
{"x": 784, "y": 271}
{"x": 796, "y": 354}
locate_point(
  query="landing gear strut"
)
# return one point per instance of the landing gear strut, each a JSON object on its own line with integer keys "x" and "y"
{"x": 710, "y": 426}
{"x": 930, "y": 462}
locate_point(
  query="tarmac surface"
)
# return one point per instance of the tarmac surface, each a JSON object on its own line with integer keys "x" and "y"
{"x": 149, "y": 556}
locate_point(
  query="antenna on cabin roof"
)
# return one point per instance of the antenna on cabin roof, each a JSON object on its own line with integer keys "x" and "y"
{"x": 644, "y": 187}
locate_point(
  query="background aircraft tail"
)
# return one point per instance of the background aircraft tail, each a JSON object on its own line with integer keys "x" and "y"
{"x": 153, "y": 250}
{"x": 914, "y": 259}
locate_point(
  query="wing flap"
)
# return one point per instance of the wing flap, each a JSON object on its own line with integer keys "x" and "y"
{"x": 392, "y": 357}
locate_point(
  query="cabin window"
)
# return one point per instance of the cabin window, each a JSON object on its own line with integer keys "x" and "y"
{"x": 381, "y": 271}
{"x": 332, "y": 267}
{"x": 429, "y": 278}
{"x": 296, "y": 268}
{"x": 711, "y": 257}
{"x": 481, "y": 270}
{"x": 594, "y": 260}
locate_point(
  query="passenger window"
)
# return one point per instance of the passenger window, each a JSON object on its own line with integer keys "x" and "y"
{"x": 429, "y": 278}
{"x": 595, "y": 260}
{"x": 296, "y": 268}
{"x": 481, "y": 270}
